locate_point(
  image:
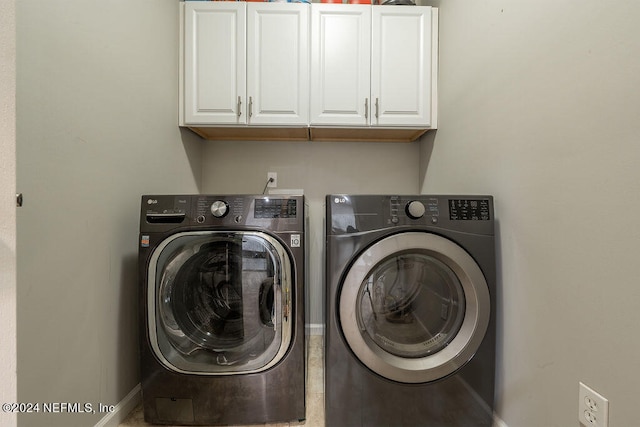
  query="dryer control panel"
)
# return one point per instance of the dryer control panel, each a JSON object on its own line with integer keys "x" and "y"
{"x": 356, "y": 213}
{"x": 469, "y": 210}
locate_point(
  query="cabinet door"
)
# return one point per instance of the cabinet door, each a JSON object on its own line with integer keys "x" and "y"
{"x": 340, "y": 61}
{"x": 214, "y": 62}
{"x": 401, "y": 66}
{"x": 278, "y": 63}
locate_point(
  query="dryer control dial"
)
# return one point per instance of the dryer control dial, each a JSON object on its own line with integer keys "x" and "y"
{"x": 415, "y": 209}
{"x": 219, "y": 208}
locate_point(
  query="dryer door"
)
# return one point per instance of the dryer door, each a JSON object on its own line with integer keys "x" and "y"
{"x": 219, "y": 302}
{"x": 414, "y": 307}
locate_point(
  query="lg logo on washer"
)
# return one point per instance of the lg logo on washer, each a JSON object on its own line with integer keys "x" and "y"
{"x": 152, "y": 202}
{"x": 340, "y": 200}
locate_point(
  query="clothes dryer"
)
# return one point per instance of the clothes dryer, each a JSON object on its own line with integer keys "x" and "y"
{"x": 410, "y": 310}
{"x": 222, "y": 309}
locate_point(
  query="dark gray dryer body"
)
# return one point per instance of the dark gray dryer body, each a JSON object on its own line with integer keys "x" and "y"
{"x": 410, "y": 310}
{"x": 222, "y": 309}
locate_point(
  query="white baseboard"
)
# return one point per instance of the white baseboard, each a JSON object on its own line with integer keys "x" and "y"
{"x": 314, "y": 329}
{"x": 122, "y": 409}
{"x": 497, "y": 421}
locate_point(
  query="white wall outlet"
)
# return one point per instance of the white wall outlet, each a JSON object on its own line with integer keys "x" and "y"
{"x": 593, "y": 408}
{"x": 272, "y": 178}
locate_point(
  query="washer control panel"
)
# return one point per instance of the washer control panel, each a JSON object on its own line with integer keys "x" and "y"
{"x": 219, "y": 208}
{"x": 208, "y": 208}
{"x": 164, "y": 210}
{"x": 275, "y": 208}
{"x": 246, "y": 210}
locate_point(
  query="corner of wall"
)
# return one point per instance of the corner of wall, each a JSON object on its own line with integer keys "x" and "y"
{"x": 8, "y": 380}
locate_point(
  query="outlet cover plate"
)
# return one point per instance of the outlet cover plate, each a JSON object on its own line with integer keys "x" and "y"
{"x": 272, "y": 176}
{"x": 593, "y": 408}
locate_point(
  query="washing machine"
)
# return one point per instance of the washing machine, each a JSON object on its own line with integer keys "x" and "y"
{"x": 410, "y": 310}
{"x": 222, "y": 309}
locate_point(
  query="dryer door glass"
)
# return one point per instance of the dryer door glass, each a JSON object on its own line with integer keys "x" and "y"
{"x": 414, "y": 307}
{"x": 411, "y": 305}
{"x": 221, "y": 302}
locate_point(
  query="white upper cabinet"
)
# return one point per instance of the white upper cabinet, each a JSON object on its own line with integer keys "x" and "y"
{"x": 214, "y": 62}
{"x": 340, "y": 63}
{"x": 401, "y": 40}
{"x": 296, "y": 71}
{"x": 246, "y": 63}
{"x": 372, "y": 65}
{"x": 278, "y": 63}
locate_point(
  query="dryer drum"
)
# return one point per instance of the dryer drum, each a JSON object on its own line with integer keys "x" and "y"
{"x": 411, "y": 305}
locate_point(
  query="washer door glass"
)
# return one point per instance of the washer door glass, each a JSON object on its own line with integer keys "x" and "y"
{"x": 219, "y": 303}
{"x": 414, "y": 307}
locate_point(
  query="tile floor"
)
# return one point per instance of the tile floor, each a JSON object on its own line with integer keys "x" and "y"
{"x": 315, "y": 393}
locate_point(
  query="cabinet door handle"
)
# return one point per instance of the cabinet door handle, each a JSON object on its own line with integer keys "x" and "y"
{"x": 377, "y": 108}
{"x": 250, "y": 106}
{"x": 366, "y": 108}
{"x": 239, "y": 106}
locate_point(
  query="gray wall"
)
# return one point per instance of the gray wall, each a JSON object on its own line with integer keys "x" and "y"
{"x": 7, "y": 208}
{"x": 539, "y": 105}
{"x": 318, "y": 168}
{"x": 96, "y": 129}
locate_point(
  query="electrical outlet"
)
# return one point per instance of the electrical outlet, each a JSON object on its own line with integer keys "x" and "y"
{"x": 593, "y": 408}
{"x": 272, "y": 177}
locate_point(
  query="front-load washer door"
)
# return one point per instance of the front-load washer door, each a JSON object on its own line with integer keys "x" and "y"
{"x": 414, "y": 307}
{"x": 219, "y": 303}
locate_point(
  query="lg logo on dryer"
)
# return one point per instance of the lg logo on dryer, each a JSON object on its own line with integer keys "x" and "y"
{"x": 152, "y": 202}
{"x": 340, "y": 200}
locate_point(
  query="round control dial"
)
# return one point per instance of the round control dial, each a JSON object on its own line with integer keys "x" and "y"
{"x": 219, "y": 208}
{"x": 415, "y": 209}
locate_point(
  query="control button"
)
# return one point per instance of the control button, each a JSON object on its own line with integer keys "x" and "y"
{"x": 219, "y": 208}
{"x": 394, "y": 219}
{"x": 200, "y": 219}
{"x": 238, "y": 219}
{"x": 415, "y": 209}
{"x": 434, "y": 220}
